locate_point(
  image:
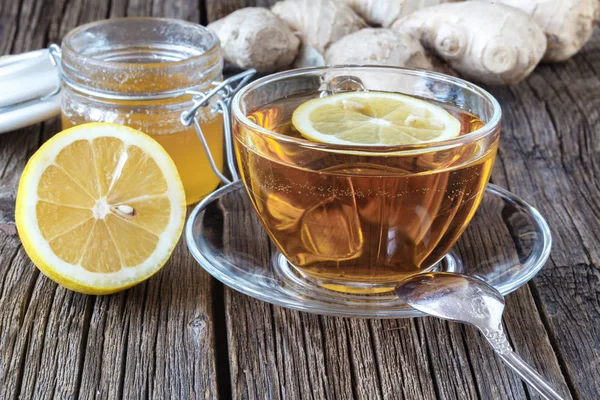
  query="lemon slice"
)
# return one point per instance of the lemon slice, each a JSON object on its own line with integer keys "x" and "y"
{"x": 100, "y": 207}
{"x": 373, "y": 119}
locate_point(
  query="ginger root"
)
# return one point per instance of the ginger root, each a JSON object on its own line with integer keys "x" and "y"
{"x": 410, "y": 6}
{"x": 256, "y": 38}
{"x": 491, "y": 43}
{"x": 319, "y": 22}
{"x": 568, "y": 24}
{"x": 385, "y": 12}
{"x": 379, "y": 46}
{"x": 377, "y": 12}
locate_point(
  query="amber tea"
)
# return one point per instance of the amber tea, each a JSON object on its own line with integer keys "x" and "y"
{"x": 359, "y": 221}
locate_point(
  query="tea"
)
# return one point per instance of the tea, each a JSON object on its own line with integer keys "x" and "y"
{"x": 360, "y": 220}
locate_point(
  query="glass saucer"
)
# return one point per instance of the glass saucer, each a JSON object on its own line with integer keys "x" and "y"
{"x": 506, "y": 244}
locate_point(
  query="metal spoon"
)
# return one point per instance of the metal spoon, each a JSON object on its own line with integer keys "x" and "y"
{"x": 471, "y": 301}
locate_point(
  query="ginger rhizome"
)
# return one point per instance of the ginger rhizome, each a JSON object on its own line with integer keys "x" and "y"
{"x": 487, "y": 42}
{"x": 256, "y": 38}
{"x": 568, "y": 24}
{"x": 377, "y": 12}
{"x": 379, "y": 46}
{"x": 319, "y": 23}
{"x": 385, "y": 12}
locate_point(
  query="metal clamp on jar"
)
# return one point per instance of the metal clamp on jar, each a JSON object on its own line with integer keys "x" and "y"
{"x": 160, "y": 76}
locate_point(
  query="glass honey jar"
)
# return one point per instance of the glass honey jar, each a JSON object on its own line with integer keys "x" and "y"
{"x": 141, "y": 72}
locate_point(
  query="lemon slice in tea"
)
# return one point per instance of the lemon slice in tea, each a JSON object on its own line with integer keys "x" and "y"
{"x": 100, "y": 207}
{"x": 374, "y": 119}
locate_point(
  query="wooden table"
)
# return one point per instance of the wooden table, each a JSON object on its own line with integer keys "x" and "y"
{"x": 183, "y": 335}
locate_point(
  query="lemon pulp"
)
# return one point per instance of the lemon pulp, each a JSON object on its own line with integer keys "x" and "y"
{"x": 374, "y": 119}
{"x": 100, "y": 207}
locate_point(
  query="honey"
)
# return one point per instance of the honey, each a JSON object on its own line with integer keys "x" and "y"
{"x": 139, "y": 72}
{"x": 181, "y": 142}
{"x": 191, "y": 161}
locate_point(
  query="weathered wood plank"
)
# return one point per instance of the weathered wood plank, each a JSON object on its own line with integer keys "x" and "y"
{"x": 182, "y": 9}
{"x": 549, "y": 155}
{"x": 360, "y": 358}
{"x": 156, "y": 340}
{"x": 9, "y": 14}
{"x": 34, "y": 341}
{"x": 531, "y": 340}
{"x": 403, "y": 360}
{"x": 15, "y": 150}
{"x": 216, "y": 9}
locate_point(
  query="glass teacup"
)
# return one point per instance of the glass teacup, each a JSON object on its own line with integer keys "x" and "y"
{"x": 362, "y": 218}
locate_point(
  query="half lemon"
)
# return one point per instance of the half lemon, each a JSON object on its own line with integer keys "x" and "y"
{"x": 374, "y": 119}
{"x": 100, "y": 207}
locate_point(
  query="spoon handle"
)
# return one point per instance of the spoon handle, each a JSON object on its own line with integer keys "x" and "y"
{"x": 497, "y": 339}
{"x": 529, "y": 375}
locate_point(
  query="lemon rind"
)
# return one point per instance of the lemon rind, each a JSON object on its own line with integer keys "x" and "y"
{"x": 74, "y": 276}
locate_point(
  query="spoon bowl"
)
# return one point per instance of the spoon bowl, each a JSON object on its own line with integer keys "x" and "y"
{"x": 470, "y": 301}
{"x": 453, "y": 297}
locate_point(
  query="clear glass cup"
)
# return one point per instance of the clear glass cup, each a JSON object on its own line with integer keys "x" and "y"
{"x": 247, "y": 263}
{"x": 360, "y": 219}
{"x": 137, "y": 72}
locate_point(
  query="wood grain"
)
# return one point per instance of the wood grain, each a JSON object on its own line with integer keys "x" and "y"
{"x": 181, "y": 335}
{"x": 216, "y": 9}
{"x": 550, "y": 156}
{"x": 153, "y": 341}
{"x": 351, "y": 358}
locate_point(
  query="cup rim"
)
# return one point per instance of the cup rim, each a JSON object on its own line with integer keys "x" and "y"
{"x": 66, "y": 41}
{"x": 487, "y": 129}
